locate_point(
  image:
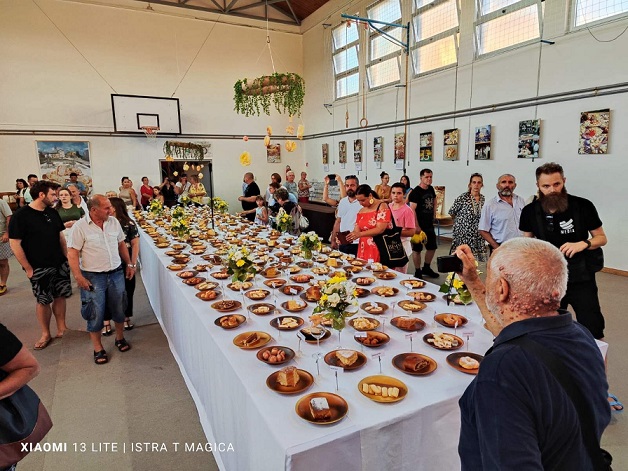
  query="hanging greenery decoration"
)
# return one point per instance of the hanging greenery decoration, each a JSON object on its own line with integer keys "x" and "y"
{"x": 284, "y": 91}
{"x": 185, "y": 150}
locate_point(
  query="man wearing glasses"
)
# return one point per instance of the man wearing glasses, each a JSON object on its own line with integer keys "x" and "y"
{"x": 37, "y": 240}
{"x": 566, "y": 221}
{"x": 346, "y": 216}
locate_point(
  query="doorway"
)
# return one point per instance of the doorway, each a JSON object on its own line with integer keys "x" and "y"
{"x": 173, "y": 169}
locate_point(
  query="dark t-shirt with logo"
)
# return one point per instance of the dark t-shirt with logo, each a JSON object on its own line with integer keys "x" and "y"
{"x": 425, "y": 201}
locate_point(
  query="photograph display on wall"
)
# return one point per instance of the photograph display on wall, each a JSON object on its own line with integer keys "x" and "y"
{"x": 426, "y": 142}
{"x": 58, "y": 159}
{"x": 594, "y": 132}
{"x": 400, "y": 146}
{"x": 378, "y": 151}
{"x": 529, "y": 134}
{"x": 325, "y": 154}
{"x": 483, "y": 142}
{"x": 273, "y": 154}
{"x": 342, "y": 152}
{"x": 450, "y": 143}
{"x": 357, "y": 150}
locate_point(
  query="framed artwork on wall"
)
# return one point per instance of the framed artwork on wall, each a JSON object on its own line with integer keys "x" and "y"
{"x": 357, "y": 154}
{"x": 273, "y": 154}
{"x": 342, "y": 152}
{"x": 325, "y": 154}
{"x": 400, "y": 146}
{"x": 426, "y": 142}
{"x": 483, "y": 142}
{"x": 450, "y": 142}
{"x": 529, "y": 139}
{"x": 378, "y": 151}
{"x": 58, "y": 159}
{"x": 594, "y": 132}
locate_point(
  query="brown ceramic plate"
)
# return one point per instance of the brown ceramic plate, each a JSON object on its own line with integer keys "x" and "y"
{"x": 257, "y": 294}
{"x": 368, "y": 307}
{"x": 179, "y": 246}
{"x": 176, "y": 267}
{"x": 309, "y": 338}
{"x": 277, "y": 323}
{"x": 262, "y": 339}
{"x": 292, "y": 290}
{"x": 195, "y": 280}
{"x": 427, "y": 365}
{"x": 337, "y": 405}
{"x": 455, "y": 338}
{"x": 206, "y": 285}
{"x": 220, "y": 275}
{"x": 270, "y": 272}
{"x": 261, "y": 309}
{"x": 237, "y": 285}
{"x": 301, "y": 278}
{"x": 305, "y": 382}
{"x": 449, "y": 320}
{"x": 385, "y": 291}
{"x": 299, "y": 308}
{"x": 172, "y": 253}
{"x": 226, "y": 305}
{"x": 373, "y": 339}
{"x": 162, "y": 245}
{"x": 187, "y": 274}
{"x": 215, "y": 259}
{"x": 332, "y": 360}
{"x": 454, "y": 361}
{"x": 385, "y": 275}
{"x": 364, "y": 280}
{"x": 207, "y": 295}
{"x": 275, "y": 283}
{"x": 400, "y": 322}
{"x": 288, "y": 354}
{"x": 305, "y": 264}
{"x": 412, "y": 306}
{"x": 412, "y": 284}
{"x": 231, "y": 321}
{"x": 198, "y": 251}
{"x": 365, "y": 327}
{"x": 383, "y": 381}
{"x": 362, "y": 292}
{"x": 422, "y": 296}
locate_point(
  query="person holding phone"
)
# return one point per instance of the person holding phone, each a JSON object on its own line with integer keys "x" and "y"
{"x": 334, "y": 180}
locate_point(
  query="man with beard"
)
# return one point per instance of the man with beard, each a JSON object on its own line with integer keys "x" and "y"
{"x": 499, "y": 221}
{"x": 516, "y": 414}
{"x": 37, "y": 240}
{"x": 566, "y": 221}
{"x": 346, "y": 216}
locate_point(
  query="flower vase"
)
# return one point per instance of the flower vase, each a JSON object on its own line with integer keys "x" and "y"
{"x": 307, "y": 254}
{"x": 338, "y": 324}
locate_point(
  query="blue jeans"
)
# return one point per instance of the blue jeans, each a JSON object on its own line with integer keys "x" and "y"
{"x": 108, "y": 293}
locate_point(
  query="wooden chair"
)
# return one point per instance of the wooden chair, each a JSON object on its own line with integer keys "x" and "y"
{"x": 443, "y": 220}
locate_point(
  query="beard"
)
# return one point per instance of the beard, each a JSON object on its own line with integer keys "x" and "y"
{"x": 351, "y": 193}
{"x": 555, "y": 202}
{"x": 505, "y": 192}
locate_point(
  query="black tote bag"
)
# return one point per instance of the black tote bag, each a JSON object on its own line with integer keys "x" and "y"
{"x": 391, "y": 251}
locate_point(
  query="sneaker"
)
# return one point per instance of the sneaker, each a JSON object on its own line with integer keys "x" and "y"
{"x": 418, "y": 274}
{"x": 427, "y": 271}
{"x": 3, "y": 290}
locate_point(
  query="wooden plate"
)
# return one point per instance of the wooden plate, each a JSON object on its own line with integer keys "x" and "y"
{"x": 162, "y": 245}
{"x": 257, "y": 294}
{"x": 235, "y": 286}
{"x": 175, "y": 267}
{"x": 447, "y": 319}
{"x": 275, "y": 283}
{"x": 301, "y": 278}
{"x": 365, "y": 307}
{"x": 172, "y": 253}
{"x": 215, "y": 259}
{"x": 337, "y": 405}
{"x": 399, "y": 360}
{"x": 179, "y": 246}
{"x": 198, "y": 251}
{"x": 220, "y": 275}
{"x": 305, "y": 382}
{"x": 385, "y": 291}
{"x": 227, "y": 305}
{"x": 385, "y": 275}
{"x": 364, "y": 281}
{"x": 381, "y": 337}
{"x": 383, "y": 381}
{"x": 412, "y": 306}
{"x": 288, "y": 352}
{"x": 305, "y": 264}
{"x": 239, "y": 319}
{"x": 299, "y": 309}
{"x": 412, "y": 284}
{"x": 427, "y": 337}
{"x": 276, "y": 322}
{"x": 254, "y": 307}
{"x": 263, "y": 339}
{"x": 195, "y": 280}
{"x": 422, "y": 296}
{"x": 377, "y": 269}
{"x": 374, "y": 324}
{"x": 310, "y": 339}
{"x": 208, "y": 295}
{"x": 417, "y": 325}
{"x": 296, "y": 289}
{"x": 332, "y": 360}
{"x": 207, "y": 285}
{"x": 454, "y": 361}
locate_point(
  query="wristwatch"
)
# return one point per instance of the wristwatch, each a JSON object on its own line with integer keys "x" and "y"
{"x": 131, "y": 265}
{"x": 588, "y": 242}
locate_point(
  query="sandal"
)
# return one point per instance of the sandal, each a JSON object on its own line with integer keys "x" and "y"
{"x": 100, "y": 358}
{"x": 128, "y": 325}
{"x": 106, "y": 331}
{"x": 123, "y": 345}
{"x": 616, "y": 406}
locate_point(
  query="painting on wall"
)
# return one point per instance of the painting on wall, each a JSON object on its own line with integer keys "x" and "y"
{"x": 400, "y": 146}
{"x": 325, "y": 154}
{"x": 426, "y": 142}
{"x": 273, "y": 154}
{"x": 483, "y": 142}
{"x": 378, "y": 151}
{"x": 529, "y": 134}
{"x": 342, "y": 152}
{"x": 357, "y": 150}
{"x": 58, "y": 159}
{"x": 594, "y": 132}
{"x": 450, "y": 142}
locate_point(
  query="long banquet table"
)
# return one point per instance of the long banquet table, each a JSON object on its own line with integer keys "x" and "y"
{"x": 236, "y": 407}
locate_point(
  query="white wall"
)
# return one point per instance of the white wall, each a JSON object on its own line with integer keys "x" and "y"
{"x": 576, "y": 61}
{"x": 48, "y": 85}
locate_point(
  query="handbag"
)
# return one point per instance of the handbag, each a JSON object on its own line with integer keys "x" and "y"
{"x": 23, "y": 419}
{"x": 304, "y": 222}
{"x": 391, "y": 251}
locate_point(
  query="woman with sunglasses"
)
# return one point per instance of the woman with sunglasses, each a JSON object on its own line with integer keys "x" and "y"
{"x": 466, "y": 211}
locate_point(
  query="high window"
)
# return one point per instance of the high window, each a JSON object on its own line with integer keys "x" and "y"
{"x": 589, "y": 11}
{"x": 345, "y": 56}
{"x": 384, "y": 63}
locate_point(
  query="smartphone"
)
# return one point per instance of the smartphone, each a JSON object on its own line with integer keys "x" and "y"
{"x": 332, "y": 179}
{"x": 448, "y": 263}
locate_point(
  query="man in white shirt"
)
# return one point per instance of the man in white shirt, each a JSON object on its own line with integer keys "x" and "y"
{"x": 32, "y": 179}
{"x": 182, "y": 187}
{"x": 346, "y": 216}
{"x": 500, "y": 215}
{"x": 98, "y": 241}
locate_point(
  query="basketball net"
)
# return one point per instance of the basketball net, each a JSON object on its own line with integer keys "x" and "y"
{"x": 150, "y": 131}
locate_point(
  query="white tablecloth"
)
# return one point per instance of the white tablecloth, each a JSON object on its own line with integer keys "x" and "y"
{"x": 235, "y": 405}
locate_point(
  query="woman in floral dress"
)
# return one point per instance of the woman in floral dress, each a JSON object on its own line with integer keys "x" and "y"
{"x": 466, "y": 212}
{"x": 373, "y": 219}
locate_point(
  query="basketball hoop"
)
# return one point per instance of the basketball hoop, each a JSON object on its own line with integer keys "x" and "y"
{"x": 150, "y": 131}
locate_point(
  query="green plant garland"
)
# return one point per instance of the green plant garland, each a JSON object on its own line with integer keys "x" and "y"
{"x": 284, "y": 91}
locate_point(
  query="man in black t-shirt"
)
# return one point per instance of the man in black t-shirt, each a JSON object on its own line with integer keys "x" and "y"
{"x": 37, "y": 240}
{"x": 423, "y": 202}
{"x": 566, "y": 221}
{"x": 251, "y": 192}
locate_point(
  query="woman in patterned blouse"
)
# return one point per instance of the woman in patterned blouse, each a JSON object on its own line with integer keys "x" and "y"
{"x": 466, "y": 212}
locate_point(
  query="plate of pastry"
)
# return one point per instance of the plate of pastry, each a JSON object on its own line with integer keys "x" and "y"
{"x": 275, "y": 283}
{"x": 176, "y": 266}
{"x": 291, "y": 290}
{"x": 363, "y": 324}
{"x": 225, "y": 305}
{"x": 346, "y": 359}
{"x": 310, "y": 334}
{"x": 240, "y": 285}
{"x": 195, "y": 280}
{"x": 465, "y": 362}
{"x": 251, "y": 340}
{"x": 205, "y": 285}
{"x": 385, "y": 275}
{"x": 422, "y": 296}
{"x": 409, "y": 324}
{"x": 442, "y": 341}
{"x": 286, "y": 322}
{"x": 207, "y": 295}
{"x": 375, "y": 308}
{"x": 179, "y": 246}
{"x": 362, "y": 292}
{"x": 270, "y": 272}
{"x": 257, "y": 294}
{"x": 172, "y": 253}
{"x": 290, "y": 380}
{"x": 412, "y": 306}
{"x": 275, "y": 355}
{"x": 364, "y": 281}
{"x": 220, "y": 275}
{"x": 294, "y": 305}
{"x": 447, "y": 319}
{"x": 230, "y": 321}
{"x": 385, "y": 291}
{"x": 412, "y": 284}
{"x": 261, "y": 309}
{"x": 322, "y": 408}
{"x": 414, "y": 364}
{"x": 162, "y": 245}
{"x": 373, "y": 339}
{"x": 312, "y": 294}
{"x": 301, "y": 278}
{"x": 381, "y": 388}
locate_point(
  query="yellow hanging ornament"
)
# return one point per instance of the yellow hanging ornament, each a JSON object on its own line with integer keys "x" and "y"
{"x": 245, "y": 159}
{"x": 200, "y": 176}
{"x": 300, "y": 131}
{"x": 269, "y": 130}
{"x": 266, "y": 140}
{"x": 291, "y": 146}
{"x": 185, "y": 167}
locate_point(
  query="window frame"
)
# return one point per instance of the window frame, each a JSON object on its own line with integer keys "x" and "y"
{"x": 347, "y": 73}
{"x": 373, "y": 34}
{"x": 602, "y": 21}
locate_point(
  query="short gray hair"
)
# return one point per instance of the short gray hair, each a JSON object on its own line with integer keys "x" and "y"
{"x": 95, "y": 201}
{"x": 535, "y": 270}
{"x": 506, "y": 175}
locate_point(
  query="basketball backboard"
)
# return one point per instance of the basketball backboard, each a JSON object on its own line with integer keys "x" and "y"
{"x": 133, "y": 112}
